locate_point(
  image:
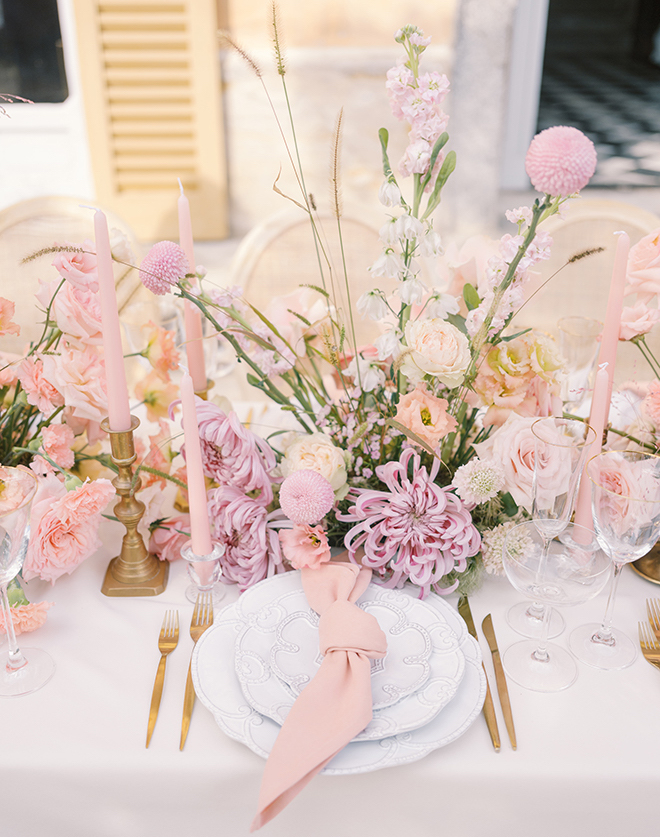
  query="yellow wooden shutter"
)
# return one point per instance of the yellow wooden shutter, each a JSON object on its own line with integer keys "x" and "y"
{"x": 151, "y": 87}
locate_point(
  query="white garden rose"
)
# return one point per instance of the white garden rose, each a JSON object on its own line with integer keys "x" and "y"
{"x": 315, "y": 452}
{"x": 437, "y": 348}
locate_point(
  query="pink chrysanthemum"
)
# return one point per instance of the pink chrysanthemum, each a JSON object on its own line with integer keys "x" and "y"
{"x": 163, "y": 266}
{"x": 560, "y": 160}
{"x": 306, "y": 496}
{"x": 416, "y": 531}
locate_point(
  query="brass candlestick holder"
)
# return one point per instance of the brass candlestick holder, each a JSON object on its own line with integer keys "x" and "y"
{"x": 180, "y": 502}
{"x": 134, "y": 572}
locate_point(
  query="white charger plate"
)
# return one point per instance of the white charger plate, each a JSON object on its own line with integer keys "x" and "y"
{"x": 277, "y": 654}
{"x": 218, "y": 688}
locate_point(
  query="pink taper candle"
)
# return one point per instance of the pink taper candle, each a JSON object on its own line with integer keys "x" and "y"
{"x": 119, "y": 414}
{"x": 600, "y": 406}
{"x": 199, "y": 517}
{"x": 192, "y": 317}
{"x": 610, "y": 338}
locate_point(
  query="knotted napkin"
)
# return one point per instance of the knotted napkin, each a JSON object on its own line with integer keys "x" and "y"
{"x": 336, "y": 704}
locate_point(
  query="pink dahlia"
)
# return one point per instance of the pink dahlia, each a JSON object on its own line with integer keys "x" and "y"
{"x": 416, "y": 531}
{"x": 163, "y": 266}
{"x": 306, "y": 496}
{"x": 560, "y": 160}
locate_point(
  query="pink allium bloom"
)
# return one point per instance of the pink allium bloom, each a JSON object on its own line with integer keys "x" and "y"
{"x": 57, "y": 443}
{"x": 416, "y": 531}
{"x": 643, "y": 271}
{"x": 168, "y": 540}
{"x": 163, "y": 266}
{"x": 560, "y": 161}
{"x": 232, "y": 454}
{"x": 7, "y": 308}
{"x": 79, "y": 374}
{"x": 425, "y": 415}
{"x": 637, "y": 320}
{"x": 27, "y": 617}
{"x": 40, "y": 392}
{"x": 306, "y": 496}
{"x": 64, "y": 527}
{"x": 249, "y": 534}
{"x": 79, "y": 269}
{"x": 305, "y": 546}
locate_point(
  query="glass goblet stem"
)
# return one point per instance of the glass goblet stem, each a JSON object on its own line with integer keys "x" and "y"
{"x": 541, "y": 653}
{"x": 15, "y": 659}
{"x": 604, "y": 634}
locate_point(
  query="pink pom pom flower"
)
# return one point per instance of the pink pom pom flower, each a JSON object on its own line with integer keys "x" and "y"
{"x": 163, "y": 266}
{"x": 306, "y": 496}
{"x": 560, "y": 161}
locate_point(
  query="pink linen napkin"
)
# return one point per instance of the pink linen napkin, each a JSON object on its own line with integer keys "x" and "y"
{"x": 336, "y": 704}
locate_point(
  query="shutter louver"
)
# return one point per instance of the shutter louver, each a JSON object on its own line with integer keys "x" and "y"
{"x": 150, "y": 76}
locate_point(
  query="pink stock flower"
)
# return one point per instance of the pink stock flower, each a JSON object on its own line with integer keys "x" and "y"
{"x": 27, "y": 617}
{"x": 40, "y": 392}
{"x": 232, "y": 454}
{"x": 643, "y": 272}
{"x": 416, "y": 530}
{"x": 168, "y": 539}
{"x": 637, "y": 320}
{"x": 560, "y": 161}
{"x": 64, "y": 527}
{"x": 249, "y": 534}
{"x": 7, "y": 308}
{"x": 425, "y": 415}
{"x": 79, "y": 374}
{"x": 79, "y": 269}
{"x": 75, "y": 309}
{"x": 163, "y": 266}
{"x": 57, "y": 443}
{"x": 306, "y": 496}
{"x": 305, "y": 546}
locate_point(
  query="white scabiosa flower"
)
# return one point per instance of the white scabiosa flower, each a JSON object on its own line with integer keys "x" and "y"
{"x": 478, "y": 481}
{"x": 372, "y": 304}
{"x": 390, "y": 264}
{"x": 389, "y": 194}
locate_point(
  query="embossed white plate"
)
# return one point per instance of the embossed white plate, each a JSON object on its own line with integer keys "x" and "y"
{"x": 277, "y": 654}
{"x": 218, "y": 689}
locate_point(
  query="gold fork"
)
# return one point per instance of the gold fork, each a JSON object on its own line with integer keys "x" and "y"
{"x": 653, "y": 613}
{"x": 202, "y": 619}
{"x": 167, "y": 641}
{"x": 649, "y": 644}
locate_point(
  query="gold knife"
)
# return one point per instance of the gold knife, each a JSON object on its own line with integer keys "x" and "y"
{"x": 502, "y": 690}
{"x": 489, "y": 708}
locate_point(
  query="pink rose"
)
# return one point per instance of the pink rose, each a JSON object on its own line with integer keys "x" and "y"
{"x": 637, "y": 320}
{"x": 64, "y": 527}
{"x": 644, "y": 267}
{"x": 435, "y": 348}
{"x": 168, "y": 540}
{"x": 79, "y": 268}
{"x": 425, "y": 415}
{"x": 79, "y": 375}
{"x": 27, "y": 617}
{"x": 39, "y": 390}
{"x": 76, "y": 310}
{"x": 305, "y": 546}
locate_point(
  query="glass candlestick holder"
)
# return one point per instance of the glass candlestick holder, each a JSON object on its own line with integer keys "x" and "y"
{"x": 204, "y": 572}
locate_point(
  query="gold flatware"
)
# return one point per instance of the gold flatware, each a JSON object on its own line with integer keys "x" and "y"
{"x": 202, "y": 619}
{"x": 653, "y": 613}
{"x": 649, "y": 644}
{"x": 167, "y": 642}
{"x": 489, "y": 707}
{"x": 502, "y": 689}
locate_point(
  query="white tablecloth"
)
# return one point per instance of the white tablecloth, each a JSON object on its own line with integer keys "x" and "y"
{"x": 73, "y": 761}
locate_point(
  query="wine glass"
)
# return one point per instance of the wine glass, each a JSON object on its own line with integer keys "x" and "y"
{"x": 625, "y": 496}
{"x": 205, "y": 572}
{"x": 21, "y": 672}
{"x": 560, "y": 448}
{"x": 568, "y": 570}
{"x": 578, "y": 344}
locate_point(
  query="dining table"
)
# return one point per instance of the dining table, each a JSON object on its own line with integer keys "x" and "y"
{"x": 73, "y": 760}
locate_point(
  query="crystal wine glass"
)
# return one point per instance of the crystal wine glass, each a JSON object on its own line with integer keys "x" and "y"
{"x": 21, "y": 672}
{"x": 204, "y": 572}
{"x": 625, "y": 496}
{"x": 578, "y": 344}
{"x": 568, "y": 570}
{"x": 560, "y": 448}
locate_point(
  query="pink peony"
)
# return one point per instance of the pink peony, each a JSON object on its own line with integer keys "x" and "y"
{"x": 306, "y": 496}
{"x": 168, "y": 539}
{"x": 79, "y": 269}
{"x": 7, "y": 308}
{"x": 64, "y": 527}
{"x": 560, "y": 161}
{"x": 305, "y": 546}
{"x": 637, "y": 320}
{"x": 425, "y": 415}
{"x": 643, "y": 272}
{"x": 27, "y": 617}
{"x": 39, "y": 390}
{"x": 163, "y": 266}
{"x": 79, "y": 374}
